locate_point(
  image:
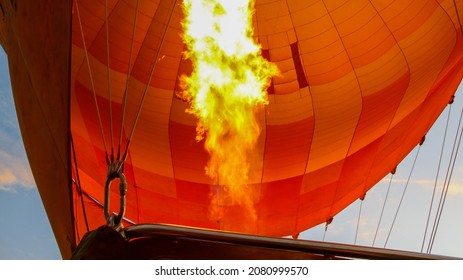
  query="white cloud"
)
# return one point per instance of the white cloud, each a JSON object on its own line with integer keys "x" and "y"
{"x": 455, "y": 187}
{"x": 14, "y": 172}
{"x": 7, "y": 178}
{"x": 421, "y": 182}
{"x": 456, "y": 183}
{"x": 14, "y": 167}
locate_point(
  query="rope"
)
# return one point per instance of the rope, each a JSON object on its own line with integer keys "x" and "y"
{"x": 450, "y": 169}
{"x": 124, "y": 101}
{"x": 79, "y": 187}
{"x": 358, "y": 221}
{"x": 91, "y": 80}
{"x": 402, "y": 197}
{"x": 328, "y": 222}
{"x": 108, "y": 71}
{"x": 437, "y": 177}
{"x": 382, "y": 210}
{"x": 149, "y": 81}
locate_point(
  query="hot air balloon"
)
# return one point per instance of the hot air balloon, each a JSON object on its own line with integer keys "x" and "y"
{"x": 98, "y": 89}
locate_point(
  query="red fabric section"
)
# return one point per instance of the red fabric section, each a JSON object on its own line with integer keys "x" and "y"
{"x": 301, "y": 77}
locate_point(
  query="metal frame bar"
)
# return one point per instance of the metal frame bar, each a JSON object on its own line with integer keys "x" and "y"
{"x": 314, "y": 247}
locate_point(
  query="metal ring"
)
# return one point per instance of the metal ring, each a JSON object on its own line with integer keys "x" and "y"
{"x": 114, "y": 171}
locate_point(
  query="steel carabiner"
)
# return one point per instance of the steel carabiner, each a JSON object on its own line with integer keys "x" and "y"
{"x": 115, "y": 171}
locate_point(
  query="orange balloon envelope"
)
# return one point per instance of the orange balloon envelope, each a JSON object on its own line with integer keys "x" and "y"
{"x": 360, "y": 84}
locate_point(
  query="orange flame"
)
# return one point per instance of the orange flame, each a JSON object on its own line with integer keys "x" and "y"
{"x": 226, "y": 88}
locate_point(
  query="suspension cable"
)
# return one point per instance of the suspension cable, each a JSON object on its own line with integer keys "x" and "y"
{"x": 403, "y": 194}
{"x": 358, "y": 221}
{"x": 450, "y": 169}
{"x": 328, "y": 222}
{"x": 437, "y": 177}
{"x": 440, "y": 209}
{"x": 91, "y": 81}
{"x": 79, "y": 187}
{"x": 108, "y": 72}
{"x": 384, "y": 206}
{"x": 156, "y": 58}
{"x": 124, "y": 100}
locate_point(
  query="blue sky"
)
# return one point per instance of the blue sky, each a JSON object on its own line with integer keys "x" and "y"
{"x": 25, "y": 232}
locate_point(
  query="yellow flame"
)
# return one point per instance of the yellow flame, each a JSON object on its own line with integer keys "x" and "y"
{"x": 226, "y": 88}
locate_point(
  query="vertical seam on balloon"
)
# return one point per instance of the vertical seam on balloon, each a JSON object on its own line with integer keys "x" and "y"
{"x": 266, "y": 55}
{"x": 257, "y": 210}
{"x": 361, "y": 110}
{"x": 440, "y": 71}
{"x": 419, "y": 108}
{"x": 263, "y": 165}
{"x": 408, "y": 72}
{"x": 448, "y": 15}
{"x": 450, "y": 19}
{"x": 264, "y": 153}
{"x": 265, "y": 110}
{"x": 458, "y": 15}
{"x": 174, "y": 177}
{"x": 456, "y": 34}
{"x": 296, "y": 222}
